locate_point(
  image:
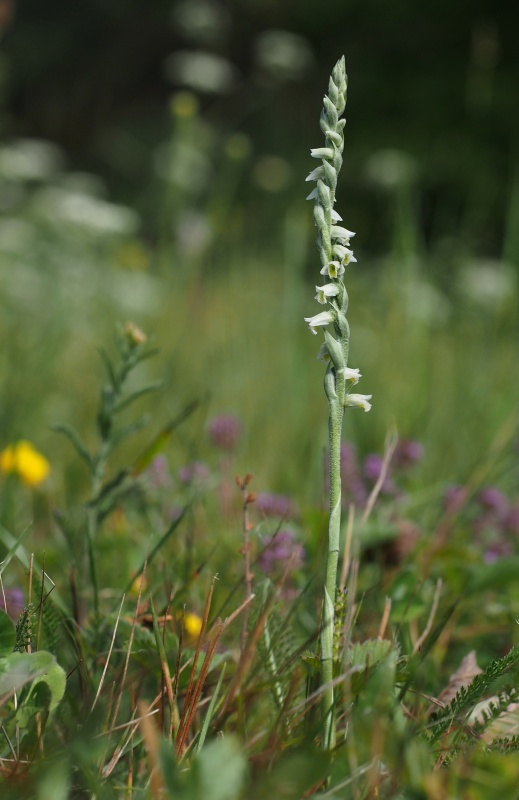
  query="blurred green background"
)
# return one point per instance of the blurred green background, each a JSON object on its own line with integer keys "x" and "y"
{"x": 152, "y": 169}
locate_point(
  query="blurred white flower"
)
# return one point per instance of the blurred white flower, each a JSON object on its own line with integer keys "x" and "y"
{"x": 184, "y": 164}
{"x": 391, "y": 168}
{"x": 486, "y": 282}
{"x": 16, "y": 235}
{"x": 204, "y": 72}
{"x": 29, "y": 159}
{"x": 283, "y": 55}
{"x": 135, "y": 292}
{"x": 425, "y": 302}
{"x": 200, "y": 20}
{"x": 194, "y": 232}
{"x": 82, "y": 183}
{"x": 82, "y": 211}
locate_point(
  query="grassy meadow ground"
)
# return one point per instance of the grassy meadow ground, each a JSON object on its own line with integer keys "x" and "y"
{"x": 437, "y": 340}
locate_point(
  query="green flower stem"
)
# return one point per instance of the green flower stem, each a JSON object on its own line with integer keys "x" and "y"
{"x": 336, "y": 412}
{"x": 333, "y": 242}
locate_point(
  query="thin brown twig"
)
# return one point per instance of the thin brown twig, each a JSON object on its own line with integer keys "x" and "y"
{"x": 385, "y": 619}
{"x": 187, "y": 699}
{"x": 133, "y": 725}
{"x": 245, "y": 659}
{"x": 152, "y": 744}
{"x": 227, "y": 621}
{"x": 187, "y": 718}
{"x": 248, "y": 498}
{"x": 391, "y": 443}
{"x": 168, "y": 687}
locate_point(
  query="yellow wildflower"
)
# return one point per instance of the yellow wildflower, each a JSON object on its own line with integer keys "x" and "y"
{"x": 192, "y": 625}
{"x": 23, "y": 460}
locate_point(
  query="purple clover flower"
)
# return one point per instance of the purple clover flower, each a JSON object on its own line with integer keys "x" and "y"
{"x": 274, "y": 505}
{"x": 278, "y": 550}
{"x": 372, "y": 470}
{"x": 224, "y": 432}
{"x": 493, "y": 500}
{"x": 196, "y": 472}
{"x": 407, "y": 453}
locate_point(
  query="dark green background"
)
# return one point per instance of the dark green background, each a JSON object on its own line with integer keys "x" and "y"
{"x": 438, "y": 80}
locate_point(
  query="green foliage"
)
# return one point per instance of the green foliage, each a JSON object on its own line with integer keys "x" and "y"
{"x": 7, "y": 634}
{"x": 217, "y": 772}
{"x": 468, "y": 697}
{"x": 437, "y": 333}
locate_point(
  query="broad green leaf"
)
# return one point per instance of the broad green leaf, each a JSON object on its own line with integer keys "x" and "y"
{"x": 36, "y": 701}
{"x": 219, "y": 770}
{"x": 54, "y": 676}
{"x": 366, "y": 654}
{"x": 19, "y": 669}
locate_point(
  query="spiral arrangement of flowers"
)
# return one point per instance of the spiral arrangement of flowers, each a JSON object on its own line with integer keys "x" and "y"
{"x": 333, "y": 242}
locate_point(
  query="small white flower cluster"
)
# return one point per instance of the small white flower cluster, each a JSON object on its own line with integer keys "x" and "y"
{"x": 333, "y": 241}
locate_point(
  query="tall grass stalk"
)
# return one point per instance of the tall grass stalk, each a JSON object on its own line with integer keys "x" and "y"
{"x": 333, "y": 242}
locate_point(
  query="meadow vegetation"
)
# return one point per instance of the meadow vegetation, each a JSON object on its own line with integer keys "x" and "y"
{"x": 164, "y": 501}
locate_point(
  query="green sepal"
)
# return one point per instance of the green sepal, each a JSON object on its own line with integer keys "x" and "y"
{"x": 335, "y": 351}
{"x": 329, "y": 385}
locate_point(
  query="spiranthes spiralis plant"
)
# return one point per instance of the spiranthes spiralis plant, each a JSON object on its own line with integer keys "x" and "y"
{"x": 333, "y": 242}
